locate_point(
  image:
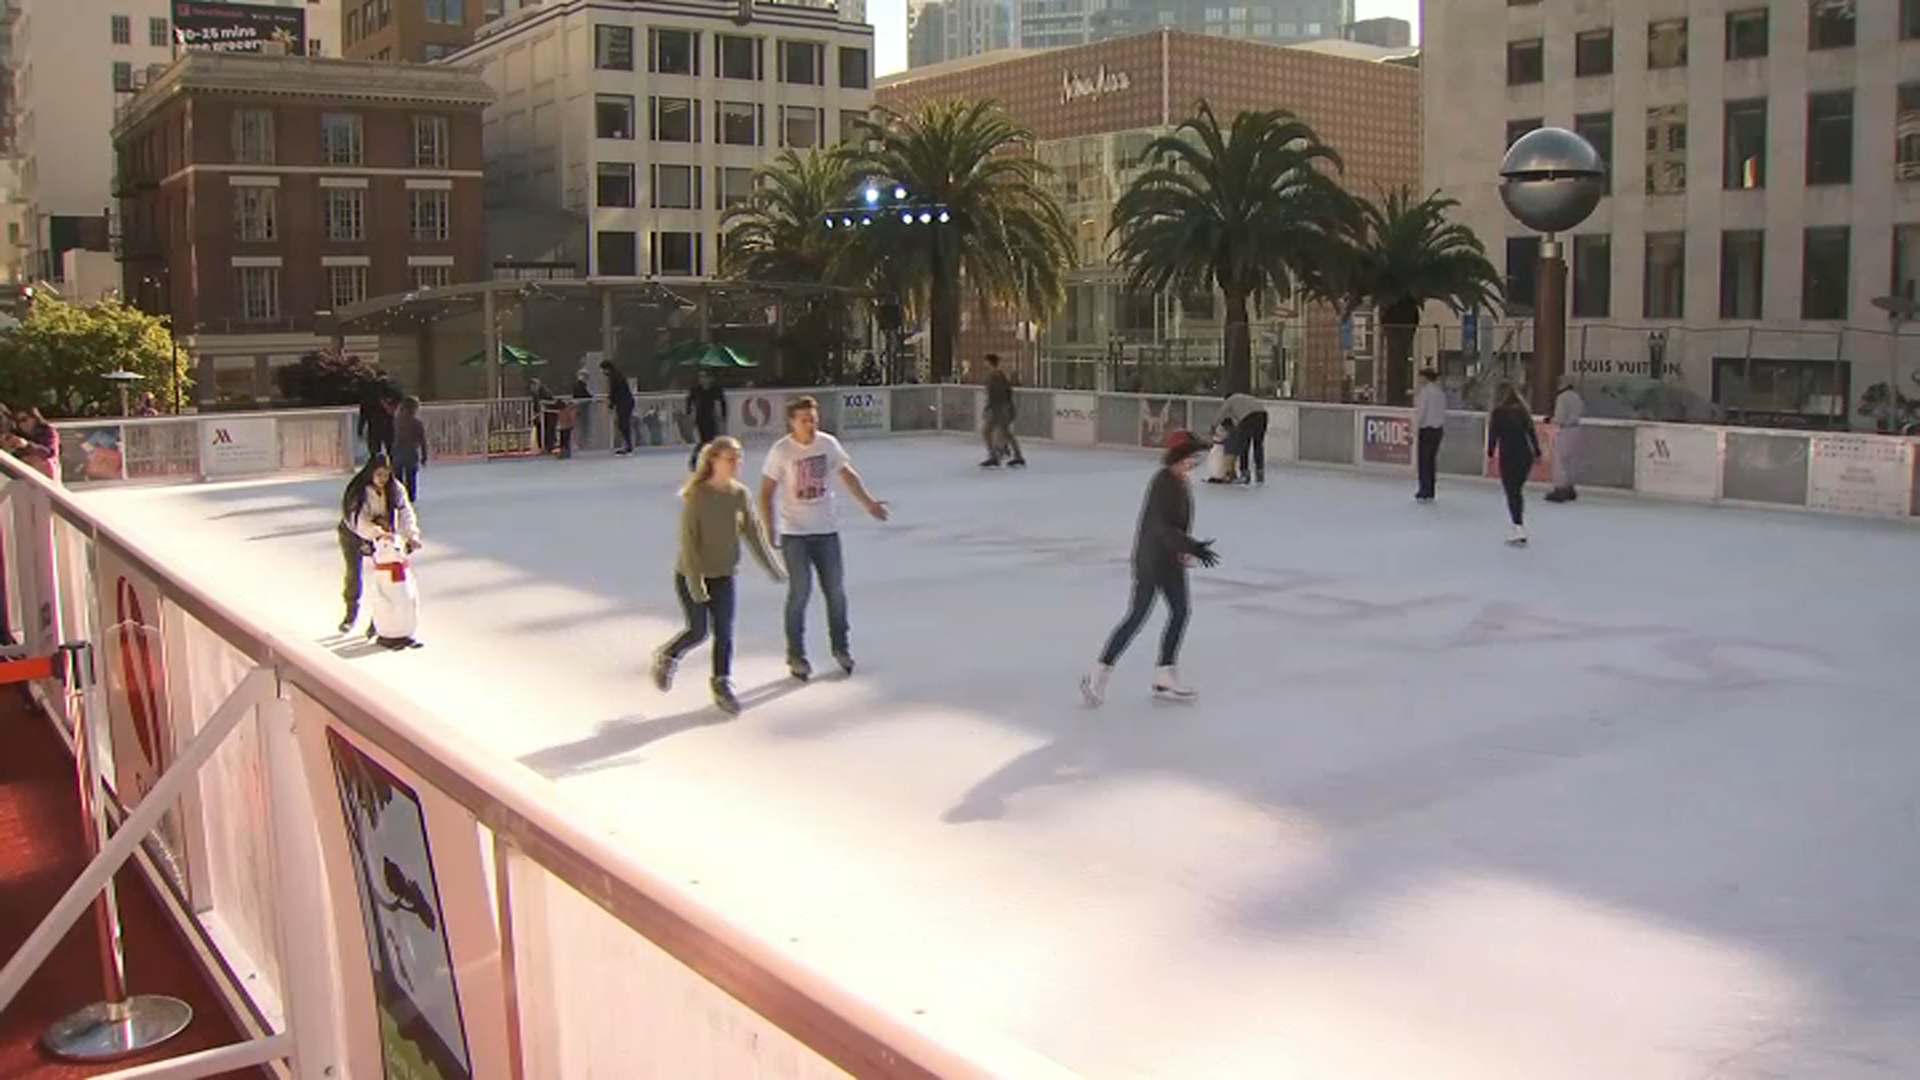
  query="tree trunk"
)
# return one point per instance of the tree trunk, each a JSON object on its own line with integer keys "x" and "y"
{"x": 1239, "y": 343}
{"x": 943, "y": 327}
{"x": 1399, "y": 324}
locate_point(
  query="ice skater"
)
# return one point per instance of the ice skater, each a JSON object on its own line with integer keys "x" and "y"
{"x": 1430, "y": 426}
{"x": 1249, "y": 416}
{"x": 409, "y": 446}
{"x": 707, "y": 404}
{"x": 998, "y": 429}
{"x": 374, "y": 505}
{"x": 1512, "y": 439}
{"x": 1163, "y": 549}
{"x": 1568, "y": 410}
{"x": 620, "y": 400}
{"x": 716, "y": 513}
{"x": 799, "y": 470}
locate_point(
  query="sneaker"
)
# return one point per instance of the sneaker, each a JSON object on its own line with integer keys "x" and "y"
{"x": 1517, "y": 537}
{"x": 1093, "y": 685}
{"x": 798, "y": 667}
{"x": 663, "y": 668}
{"x": 724, "y": 699}
{"x": 346, "y": 624}
{"x": 1168, "y": 687}
{"x": 845, "y": 660}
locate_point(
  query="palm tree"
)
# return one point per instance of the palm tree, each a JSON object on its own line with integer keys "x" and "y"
{"x": 1249, "y": 210}
{"x": 1007, "y": 241}
{"x": 777, "y": 235}
{"x": 1403, "y": 255}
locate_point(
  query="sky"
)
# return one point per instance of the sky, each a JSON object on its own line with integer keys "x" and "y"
{"x": 890, "y": 27}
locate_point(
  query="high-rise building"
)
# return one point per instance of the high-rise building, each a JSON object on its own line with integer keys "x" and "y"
{"x": 1386, "y": 33}
{"x": 1763, "y": 187}
{"x": 619, "y": 135}
{"x": 414, "y": 31}
{"x": 942, "y": 30}
{"x": 959, "y": 28}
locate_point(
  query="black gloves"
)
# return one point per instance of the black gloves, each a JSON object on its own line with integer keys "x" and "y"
{"x": 1203, "y": 552}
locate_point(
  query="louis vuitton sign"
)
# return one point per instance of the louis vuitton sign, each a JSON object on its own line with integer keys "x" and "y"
{"x": 1075, "y": 86}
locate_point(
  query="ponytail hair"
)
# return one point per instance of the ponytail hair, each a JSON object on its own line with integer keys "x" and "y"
{"x": 703, "y": 468}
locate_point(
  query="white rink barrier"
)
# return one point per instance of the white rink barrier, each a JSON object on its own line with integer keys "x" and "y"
{"x": 375, "y": 896}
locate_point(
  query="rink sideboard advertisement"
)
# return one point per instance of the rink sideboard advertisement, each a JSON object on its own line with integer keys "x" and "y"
{"x": 1863, "y": 475}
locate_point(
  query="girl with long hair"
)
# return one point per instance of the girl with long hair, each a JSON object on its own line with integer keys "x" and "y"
{"x": 35, "y": 442}
{"x": 375, "y": 504}
{"x": 1163, "y": 549}
{"x": 716, "y": 513}
{"x": 1510, "y": 436}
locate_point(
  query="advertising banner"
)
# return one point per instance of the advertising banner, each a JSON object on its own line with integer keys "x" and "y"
{"x": 218, "y": 27}
{"x": 1386, "y": 439}
{"x": 91, "y": 453}
{"x": 865, "y": 412}
{"x": 1677, "y": 461}
{"x": 1283, "y": 433}
{"x": 240, "y": 446}
{"x": 1074, "y": 421}
{"x": 1542, "y": 471}
{"x": 758, "y": 419}
{"x": 1860, "y": 474}
{"x": 1913, "y": 450}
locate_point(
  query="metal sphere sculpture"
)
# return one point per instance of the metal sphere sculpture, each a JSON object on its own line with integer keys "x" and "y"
{"x": 1551, "y": 179}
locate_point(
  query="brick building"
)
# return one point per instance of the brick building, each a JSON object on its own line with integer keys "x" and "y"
{"x": 1094, "y": 108}
{"x": 260, "y": 193}
{"x": 414, "y": 31}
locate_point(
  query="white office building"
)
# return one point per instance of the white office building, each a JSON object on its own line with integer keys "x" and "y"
{"x": 1764, "y": 185}
{"x": 618, "y": 135}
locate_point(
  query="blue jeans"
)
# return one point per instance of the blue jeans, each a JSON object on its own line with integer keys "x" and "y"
{"x": 805, "y": 556}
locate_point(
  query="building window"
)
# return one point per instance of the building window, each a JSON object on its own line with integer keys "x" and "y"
{"x": 1747, "y": 34}
{"x": 852, "y": 124}
{"x": 1518, "y": 128}
{"x": 344, "y": 214}
{"x": 1666, "y": 276}
{"x": 159, "y": 34}
{"x": 1667, "y": 150}
{"x": 346, "y": 285}
{"x": 1743, "y": 258}
{"x": 801, "y": 63}
{"x": 1593, "y": 53}
{"x": 253, "y": 136}
{"x": 673, "y": 52}
{"x": 1523, "y": 271}
{"x": 1667, "y": 44}
{"x": 445, "y": 12}
{"x": 1909, "y": 19}
{"x": 1592, "y": 276}
{"x": 122, "y": 30}
{"x": 736, "y": 186}
{"x": 341, "y": 140}
{"x": 675, "y": 120}
{"x": 737, "y": 57}
{"x": 799, "y": 126}
{"x": 1830, "y": 137}
{"x": 255, "y": 217}
{"x": 616, "y": 254}
{"x": 436, "y": 50}
{"x": 428, "y": 214}
{"x": 1823, "y": 273}
{"x": 1830, "y": 24}
{"x": 431, "y": 138}
{"x": 739, "y": 122}
{"x": 122, "y": 76}
{"x": 1526, "y": 62}
{"x": 854, "y": 69}
{"x": 1906, "y": 261}
{"x": 613, "y": 48}
{"x": 1597, "y": 128}
{"x": 613, "y": 116}
{"x": 676, "y": 187}
{"x": 1906, "y": 132}
{"x": 431, "y": 277}
{"x": 256, "y": 293}
{"x": 613, "y": 184}
{"x": 1745, "y": 159}
{"x": 676, "y": 254}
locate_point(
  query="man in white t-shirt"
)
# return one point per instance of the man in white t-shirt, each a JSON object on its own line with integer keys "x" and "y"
{"x": 797, "y": 503}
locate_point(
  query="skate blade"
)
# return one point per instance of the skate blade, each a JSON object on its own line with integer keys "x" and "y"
{"x": 1175, "y": 699}
{"x": 1516, "y": 543}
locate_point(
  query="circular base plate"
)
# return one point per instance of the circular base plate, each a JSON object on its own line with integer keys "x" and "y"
{"x": 104, "y": 1032}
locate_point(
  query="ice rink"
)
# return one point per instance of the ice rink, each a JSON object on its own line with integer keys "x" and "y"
{"x": 1641, "y": 801}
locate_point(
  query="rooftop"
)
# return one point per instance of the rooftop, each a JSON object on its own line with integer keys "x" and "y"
{"x": 266, "y": 74}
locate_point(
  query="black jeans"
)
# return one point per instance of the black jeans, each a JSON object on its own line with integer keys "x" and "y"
{"x": 352, "y": 550}
{"x": 706, "y": 435}
{"x": 715, "y": 616}
{"x": 623, "y": 429}
{"x": 998, "y": 435}
{"x": 805, "y": 556}
{"x": 1513, "y": 477}
{"x": 1251, "y": 434}
{"x": 1169, "y": 583}
{"x": 1427, "y": 458}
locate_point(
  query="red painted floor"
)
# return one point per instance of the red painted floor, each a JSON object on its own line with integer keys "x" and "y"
{"x": 41, "y": 852}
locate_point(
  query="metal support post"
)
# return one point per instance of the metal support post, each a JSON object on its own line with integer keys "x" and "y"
{"x": 307, "y": 969}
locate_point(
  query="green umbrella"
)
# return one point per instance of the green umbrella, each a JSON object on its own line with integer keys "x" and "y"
{"x": 707, "y": 356}
{"x": 510, "y": 356}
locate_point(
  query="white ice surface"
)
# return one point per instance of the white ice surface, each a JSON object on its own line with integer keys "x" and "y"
{"x": 1642, "y": 801}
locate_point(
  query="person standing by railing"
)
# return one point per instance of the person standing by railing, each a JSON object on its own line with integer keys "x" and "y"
{"x": 1249, "y": 416}
{"x": 1568, "y": 410}
{"x": 1429, "y": 426}
{"x": 1511, "y": 437}
{"x": 35, "y": 442}
{"x": 409, "y": 445}
{"x": 707, "y": 404}
{"x": 620, "y": 400}
{"x": 376, "y": 420}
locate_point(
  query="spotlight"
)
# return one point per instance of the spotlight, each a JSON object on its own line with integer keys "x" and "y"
{"x": 906, "y": 219}
{"x": 829, "y": 222}
{"x": 873, "y": 195}
{"x": 900, "y": 194}
{"x": 945, "y": 217}
{"x": 925, "y": 218}
{"x": 864, "y": 220}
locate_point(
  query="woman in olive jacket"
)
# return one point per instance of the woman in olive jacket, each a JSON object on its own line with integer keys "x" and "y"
{"x": 1163, "y": 549}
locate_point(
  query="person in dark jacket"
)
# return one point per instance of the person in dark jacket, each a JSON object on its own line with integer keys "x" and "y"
{"x": 707, "y": 404}
{"x": 620, "y": 400}
{"x": 1249, "y": 417}
{"x": 376, "y": 420}
{"x": 998, "y": 430}
{"x": 409, "y": 445}
{"x": 1163, "y": 548}
{"x": 1511, "y": 437}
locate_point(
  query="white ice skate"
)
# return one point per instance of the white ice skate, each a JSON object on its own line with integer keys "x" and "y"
{"x": 1518, "y": 537}
{"x": 1168, "y": 687}
{"x": 1093, "y": 685}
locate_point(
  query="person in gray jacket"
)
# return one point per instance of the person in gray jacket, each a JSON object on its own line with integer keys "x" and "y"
{"x": 1249, "y": 416}
{"x": 1568, "y": 410}
{"x": 1430, "y": 426}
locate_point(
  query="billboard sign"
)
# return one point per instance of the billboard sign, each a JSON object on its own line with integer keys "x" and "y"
{"x": 218, "y": 27}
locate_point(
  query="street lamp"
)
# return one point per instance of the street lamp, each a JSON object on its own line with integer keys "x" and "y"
{"x": 1550, "y": 181}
